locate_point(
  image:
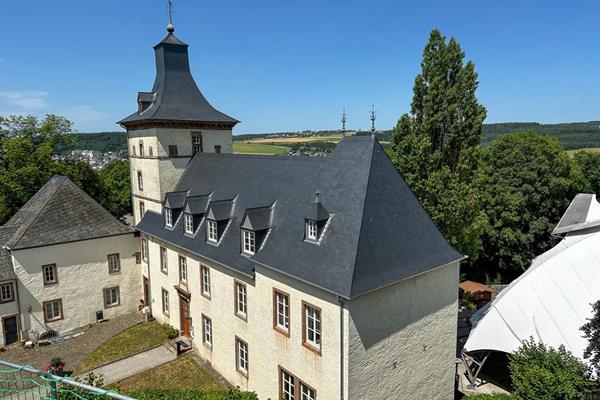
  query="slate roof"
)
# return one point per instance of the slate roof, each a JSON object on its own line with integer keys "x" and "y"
{"x": 60, "y": 212}
{"x": 6, "y": 267}
{"x": 582, "y": 213}
{"x": 175, "y": 96}
{"x": 378, "y": 233}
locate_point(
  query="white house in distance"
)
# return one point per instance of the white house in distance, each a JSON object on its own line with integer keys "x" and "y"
{"x": 65, "y": 262}
{"x": 295, "y": 277}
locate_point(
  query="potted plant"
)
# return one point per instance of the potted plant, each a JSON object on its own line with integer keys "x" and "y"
{"x": 56, "y": 367}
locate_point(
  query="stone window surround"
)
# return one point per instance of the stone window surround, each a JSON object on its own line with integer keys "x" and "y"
{"x": 11, "y": 289}
{"x": 305, "y": 342}
{"x": 276, "y": 326}
{"x": 239, "y": 344}
{"x": 204, "y": 282}
{"x": 237, "y": 285}
{"x": 164, "y": 260}
{"x": 164, "y": 294}
{"x": 118, "y": 258}
{"x": 54, "y": 270}
{"x": 106, "y": 293}
{"x": 60, "y": 307}
{"x": 207, "y": 343}
{"x": 299, "y": 384}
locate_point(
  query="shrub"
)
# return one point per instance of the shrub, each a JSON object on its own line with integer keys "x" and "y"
{"x": 172, "y": 333}
{"x": 544, "y": 373}
{"x": 190, "y": 394}
{"x": 491, "y": 397}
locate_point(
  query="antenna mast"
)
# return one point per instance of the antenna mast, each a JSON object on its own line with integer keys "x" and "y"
{"x": 373, "y": 118}
{"x": 344, "y": 119}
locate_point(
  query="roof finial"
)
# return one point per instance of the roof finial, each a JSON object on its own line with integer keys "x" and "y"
{"x": 373, "y": 117}
{"x": 317, "y": 197}
{"x": 344, "y": 119}
{"x": 170, "y": 27}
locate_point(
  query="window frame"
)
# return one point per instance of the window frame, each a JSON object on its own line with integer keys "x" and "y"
{"x": 182, "y": 262}
{"x": 144, "y": 249}
{"x": 141, "y": 147}
{"x": 276, "y": 326}
{"x": 44, "y": 275}
{"x": 217, "y": 148}
{"x": 244, "y": 371}
{"x": 107, "y": 291}
{"x": 168, "y": 217}
{"x": 305, "y": 342}
{"x": 140, "y": 180}
{"x": 310, "y": 226}
{"x": 205, "y": 342}
{"x": 200, "y": 148}
{"x": 164, "y": 260}
{"x": 166, "y": 305}
{"x": 298, "y": 385}
{"x": 251, "y": 250}
{"x": 173, "y": 151}
{"x": 142, "y": 209}
{"x": 11, "y": 287}
{"x": 60, "y": 308}
{"x": 210, "y": 224}
{"x": 237, "y": 299}
{"x": 118, "y": 257}
{"x": 188, "y": 220}
{"x": 205, "y": 283}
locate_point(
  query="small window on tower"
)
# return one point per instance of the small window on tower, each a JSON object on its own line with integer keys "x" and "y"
{"x": 172, "y": 150}
{"x": 150, "y": 152}
{"x": 140, "y": 181}
{"x": 141, "y": 149}
{"x": 217, "y": 148}
{"x": 197, "y": 143}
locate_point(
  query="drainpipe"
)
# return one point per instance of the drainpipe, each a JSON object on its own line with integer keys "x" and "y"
{"x": 342, "y": 336}
{"x": 149, "y": 283}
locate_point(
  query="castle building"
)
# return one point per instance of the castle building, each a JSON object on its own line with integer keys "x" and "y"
{"x": 295, "y": 277}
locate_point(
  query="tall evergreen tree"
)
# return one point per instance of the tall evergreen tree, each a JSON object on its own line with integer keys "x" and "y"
{"x": 436, "y": 145}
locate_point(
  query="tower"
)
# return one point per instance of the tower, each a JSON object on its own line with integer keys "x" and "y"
{"x": 173, "y": 122}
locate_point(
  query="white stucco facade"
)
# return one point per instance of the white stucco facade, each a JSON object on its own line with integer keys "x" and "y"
{"x": 8, "y": 309}
{"x": 82, "y": 274}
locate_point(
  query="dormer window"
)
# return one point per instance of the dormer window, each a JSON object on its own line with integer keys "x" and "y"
{"x": 211, "y": 231}
{"x": 248, "y": 242}
{"x": 168, "y": 217}
{"x": 315, "y": 221}
{"x": 311, "y": 229}
{"x": 189, "y": 224}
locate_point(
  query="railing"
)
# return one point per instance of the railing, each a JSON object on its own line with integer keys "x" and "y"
{"x": 22, "y": 382}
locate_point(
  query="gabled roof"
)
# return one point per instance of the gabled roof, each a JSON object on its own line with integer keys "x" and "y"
{"x": 474, "y": 287}
{"x": 175, "y": 200}
{"x": 6, "y": 267}
{"x": 60, "y": 212}
{"x": 196, "y": 205}
{"x": 258, "y": 219}
{"x": 220, "y": 210}
{"x": 583, "y": 213}
{"x": 175, "y": 96}
{"x": 378, "y": 232}
{"x": 316, "y": 212}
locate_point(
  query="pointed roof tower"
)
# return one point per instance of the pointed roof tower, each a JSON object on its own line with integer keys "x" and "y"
{"x": 175, "y": 97}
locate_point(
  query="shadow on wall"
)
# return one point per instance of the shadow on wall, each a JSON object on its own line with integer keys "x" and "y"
{"x": 31, "y": 325}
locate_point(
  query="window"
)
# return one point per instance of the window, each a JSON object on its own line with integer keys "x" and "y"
{"x": 206, "y": 331}
{"x": 142, "y": 209}
{"x": 138, "y": 257}
{"x": 197, "y": 143}
{"x": 141, "y": 149}
{"x": 189, "y": 224}
{"x": 241, "y": 300}
{"x": 140, "y": 181}
{"x": 311, "y": 229}
{"x": 168, "y": 217}
{"x": 211, "y": 231}
{"x": 133, "y": 151}
{"x": 111, "y": 297}
{"x": 6, "y": 293}
{"x": 182, "y": 269}
{"x": 144, "y": 249}
{"x": 292, "y": 388}
{"x": 241, "y": 355}
{"x": 49, "y": 274}
{"x": 165, "y": 302}
{"x": 281, "y": 312}
{"x": 205, "y": 281}
{"x": 172, "y": 150}
{"x": 150, "y": 152}
{"x": 52, "y": 310}
{"x": 164, "y": 261}
{"x": 114, "y": 263}
{"x": 217, "y": 148}
{"x": 311, "y": 334}
{"x": 249, "y": 241}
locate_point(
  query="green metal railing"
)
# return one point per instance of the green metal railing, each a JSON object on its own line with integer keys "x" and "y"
{"x": 23, "y": 382}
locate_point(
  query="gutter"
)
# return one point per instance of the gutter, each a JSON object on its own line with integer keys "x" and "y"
{"x": 342, "y": 335}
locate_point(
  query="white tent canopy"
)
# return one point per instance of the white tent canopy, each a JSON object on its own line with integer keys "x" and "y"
{"x": 552, "y": 299}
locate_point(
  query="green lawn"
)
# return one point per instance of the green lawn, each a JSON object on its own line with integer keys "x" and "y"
{"x": 131, "y": 341}
{"x": 257, "y": 148}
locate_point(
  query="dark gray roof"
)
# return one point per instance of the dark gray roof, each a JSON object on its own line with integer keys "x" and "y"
{"x": 6, "y": 267}
{"x": 258, "y": 219}
{"x": 577, "y": 216}
{"x": 175, "y": 200}
{"x": 61, "y": 212}
{"x": 175, "y": 96}
{"x": 316, "y": 212}
{"x": 220, "y": 210}
{"x": 378, "y": 233}
{"x": 196, "y": 205}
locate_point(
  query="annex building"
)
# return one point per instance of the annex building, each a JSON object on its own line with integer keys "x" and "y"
{"x": 295, "y": 277}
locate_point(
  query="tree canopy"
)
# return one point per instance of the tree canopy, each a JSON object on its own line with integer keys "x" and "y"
{"x": 591, "y": 331}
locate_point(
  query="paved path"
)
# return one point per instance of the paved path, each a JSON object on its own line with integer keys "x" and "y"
{"x": 119, "y": 370}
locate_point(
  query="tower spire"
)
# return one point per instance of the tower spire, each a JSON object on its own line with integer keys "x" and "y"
{"x": 373, "y": 118}
{"x": 344, "y": 119}
{"x": 170, "y": 27}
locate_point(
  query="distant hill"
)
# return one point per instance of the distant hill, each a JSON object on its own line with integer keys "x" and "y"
{"x": 572, "y": 135}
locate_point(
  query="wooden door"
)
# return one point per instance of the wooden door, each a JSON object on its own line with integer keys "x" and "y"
{"x": 9, "y": 325}
{"x": 184, "y": 316}
{"x": 146, "y": 292}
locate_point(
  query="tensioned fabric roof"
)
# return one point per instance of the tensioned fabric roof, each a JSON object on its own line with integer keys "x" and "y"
{"x": 552, "y": 299}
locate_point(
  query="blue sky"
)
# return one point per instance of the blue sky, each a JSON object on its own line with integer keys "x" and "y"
{"x": 291, "y": 65}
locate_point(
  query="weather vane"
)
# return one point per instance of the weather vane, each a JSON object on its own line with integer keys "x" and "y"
{"x": 170, "y": 27}
{"x": 373, "y": 117}
{"x": 344, "y": 119}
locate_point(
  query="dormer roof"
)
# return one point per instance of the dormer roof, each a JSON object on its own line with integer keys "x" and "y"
{"x": 220, "y": 210}
{"x": 258, "y": 219}
{"x": 316, "y": 212}
{"x": 582, "y": 213}
{"x": 175, "y": 200}
{"x": 196, "y": 205}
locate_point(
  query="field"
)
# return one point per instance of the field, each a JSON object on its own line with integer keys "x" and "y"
{"x": 301, "y": 139}
{"x": 257, "y": 148}
{"x": 590, "y": 149}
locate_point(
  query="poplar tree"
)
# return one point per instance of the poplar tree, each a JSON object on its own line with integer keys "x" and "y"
{"x": 436, "y": 146}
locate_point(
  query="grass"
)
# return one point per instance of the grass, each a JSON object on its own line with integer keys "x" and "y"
{"x": 299, "y": 139}
{"x": 182, "y": 373}
{"x": 257, "y": 148}
{"x": 131, "y": 341}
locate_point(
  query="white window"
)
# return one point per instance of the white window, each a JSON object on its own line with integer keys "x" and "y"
{"x": 140, "y": 181}
{"x": 207, "y": 331}
{"x": 49, "y": 274}
{"x": 6, "y": 292}
{"x": 312, "y": 326}
{"x": 211, "y": 231}
{"x": 241, "y": 304}
{"x": 144, "y": 249}
{"x": 142, "y": 209}
{"x": 288, "y": 386}
{"x": 164, "y": 262}
{"x": 182, "y": 269}
{"x": 111, "y": 297}
{"x": 241, "y": 350}
{"x": 114, "y": 263}
{"x": 205, "y": 280}
{"x": 311, "y": 229}
{"x": 197, "y": 143}
{"x": 249, "y": 240}
{"x": 307, "y": 393}
{"x": 52, "y": 310}
{"x": 165, "y": 302}
{"x": 189, "y": 224}
{"x": 282, "y": 311}
{"x": 168, "y": 217}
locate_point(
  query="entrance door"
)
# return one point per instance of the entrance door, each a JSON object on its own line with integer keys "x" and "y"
{"x": 10, "y": 330}
{"x": 146, "y": 292}
{"x": 184, "y": 316}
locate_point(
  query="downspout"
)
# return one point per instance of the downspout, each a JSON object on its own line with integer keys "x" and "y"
{"x": 342, "y": 337}
{"x": 149, "y": 283}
